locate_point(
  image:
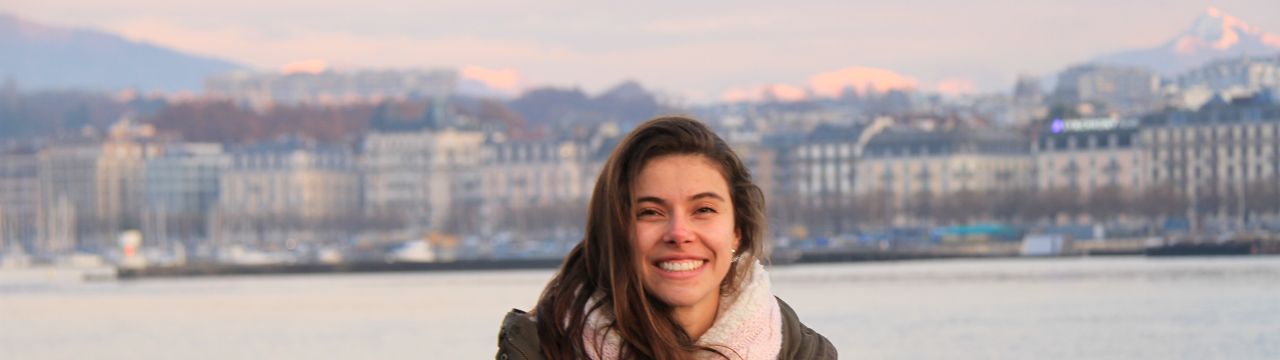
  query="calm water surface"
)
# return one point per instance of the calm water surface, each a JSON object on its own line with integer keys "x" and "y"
{"x": 1093, "y": 308}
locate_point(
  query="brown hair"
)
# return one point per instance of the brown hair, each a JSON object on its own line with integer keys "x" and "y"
{"x": 602, "y": 265}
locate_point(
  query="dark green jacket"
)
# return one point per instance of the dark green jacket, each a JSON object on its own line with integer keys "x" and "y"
{"x": 518, "y": 338}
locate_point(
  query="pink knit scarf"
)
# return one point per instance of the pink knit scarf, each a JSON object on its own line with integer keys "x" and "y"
{"x": 748, "y": 324}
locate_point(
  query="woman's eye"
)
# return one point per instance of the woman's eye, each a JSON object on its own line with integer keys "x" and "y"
{"x": 705, "y": 210}
{"x": 647, "y": 213}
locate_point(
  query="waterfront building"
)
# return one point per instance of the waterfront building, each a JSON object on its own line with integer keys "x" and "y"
{"x": 535, "y": 185}
{"x": 120, "y": 178}
{"x": 67, "y": 174}
{"x": 182, "y": 185}
{"x": 812, "y": 177}
{"x": 1224, "y": 158}
{"x": 428, "y": 175}
{"x": 903, "y": 172}
{"x": 1082, "y": 155}
{"x": 19, "y": 199}
{"x": 286, "y": 192}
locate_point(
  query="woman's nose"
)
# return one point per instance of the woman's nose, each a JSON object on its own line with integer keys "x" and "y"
{"x": 678, "y": 232}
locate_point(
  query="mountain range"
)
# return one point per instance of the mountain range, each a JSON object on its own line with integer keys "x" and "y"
{"x": 42, "y": 57}
{"x": 1212, "y": 35}
{"x": 45, "y": 57}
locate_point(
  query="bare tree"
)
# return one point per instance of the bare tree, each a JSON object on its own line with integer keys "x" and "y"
{"x": 1049, "y": 203}
{"x": 1159, "y": 201}
{"x": 874, "y": 208}
{"x": 1262, "y": 196}
{"x": 1010, "y": 205}
{"x": 921, "y": 205}
{"x": 1105, "y": 203}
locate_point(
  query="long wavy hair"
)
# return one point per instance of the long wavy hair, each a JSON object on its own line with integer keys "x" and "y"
{"x": 603, "y": 266}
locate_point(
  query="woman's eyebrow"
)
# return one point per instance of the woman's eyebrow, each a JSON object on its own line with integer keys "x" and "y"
{"x": 652, "y": 199}
{"x": 698, "y": 196}
{"x": 707, "y": 194}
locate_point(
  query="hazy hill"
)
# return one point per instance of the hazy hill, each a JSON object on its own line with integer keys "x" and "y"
{"x": 625, "y": 103}
{"x": 40, "y": 57}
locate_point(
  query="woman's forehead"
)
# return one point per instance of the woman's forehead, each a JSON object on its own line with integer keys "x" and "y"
{"x": 680, "y": 176}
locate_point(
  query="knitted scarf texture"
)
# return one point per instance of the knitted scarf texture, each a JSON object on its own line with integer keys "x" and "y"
{"x": 748, "y": 324}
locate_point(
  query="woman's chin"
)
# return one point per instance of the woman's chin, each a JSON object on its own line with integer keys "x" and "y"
{"x": 681, "y": 297}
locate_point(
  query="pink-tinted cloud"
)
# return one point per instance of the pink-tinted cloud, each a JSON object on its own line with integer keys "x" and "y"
{"x": 312, "y": 66}
{"x": 506, "y": 80}
{"x": 956, "y": 86}
{"x": 772, "y": 92}
{"x": 833, "y": 84}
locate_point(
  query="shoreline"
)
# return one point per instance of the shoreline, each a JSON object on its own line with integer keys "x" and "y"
{"x": 783, "y": 259}
{"x": 778, "y": 258}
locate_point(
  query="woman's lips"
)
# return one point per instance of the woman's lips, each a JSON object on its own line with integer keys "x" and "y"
{"x": 680, "y": 268}
{"x": 681, "y": 265}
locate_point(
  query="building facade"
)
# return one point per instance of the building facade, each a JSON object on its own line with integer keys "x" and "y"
{"x": 1082, "y": 155}
{"x": 536, "y": 188}
{"x": 182, "y": 188}
{"x": 908, "y": 172}
{"x": 286, "y": 192}
{"x": 1224, "y": 158}
{"x": 68, "y": 197}
{"x": 19, "y": 199}
{"x": 430, "y": 177}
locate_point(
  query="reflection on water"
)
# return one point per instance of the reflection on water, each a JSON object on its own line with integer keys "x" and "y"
{"x": 1119, "y": 308}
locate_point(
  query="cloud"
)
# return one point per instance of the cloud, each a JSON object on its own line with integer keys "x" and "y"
{"x": 956, "y": 86}
{"x": 833, "y": 84}
{"x": 771, "y": 92}
{"x": 506, "y": 80}
{"x": 312, "y": 66}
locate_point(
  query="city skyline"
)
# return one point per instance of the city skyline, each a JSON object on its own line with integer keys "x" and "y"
{"x": 732, "y": 51}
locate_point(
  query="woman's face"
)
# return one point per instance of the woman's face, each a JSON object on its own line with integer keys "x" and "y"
{"x": 684, "y": 229}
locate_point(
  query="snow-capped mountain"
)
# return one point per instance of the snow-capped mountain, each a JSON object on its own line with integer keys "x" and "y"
{"x": 1213, "y": 35}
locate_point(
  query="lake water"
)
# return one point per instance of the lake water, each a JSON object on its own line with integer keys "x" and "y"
{"x": 1066, "y": 308}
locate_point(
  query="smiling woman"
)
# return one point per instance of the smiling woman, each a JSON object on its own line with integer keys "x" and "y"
{"x": 669, "y": 267}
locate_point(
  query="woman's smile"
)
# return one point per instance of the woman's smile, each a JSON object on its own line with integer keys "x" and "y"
{"x": 684, "y": 230}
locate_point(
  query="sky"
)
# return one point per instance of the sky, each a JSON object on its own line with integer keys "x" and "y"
{"x": 695, "y": 51}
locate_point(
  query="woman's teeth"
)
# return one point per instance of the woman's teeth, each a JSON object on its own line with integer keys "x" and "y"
{"x": 680, "y": 265}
